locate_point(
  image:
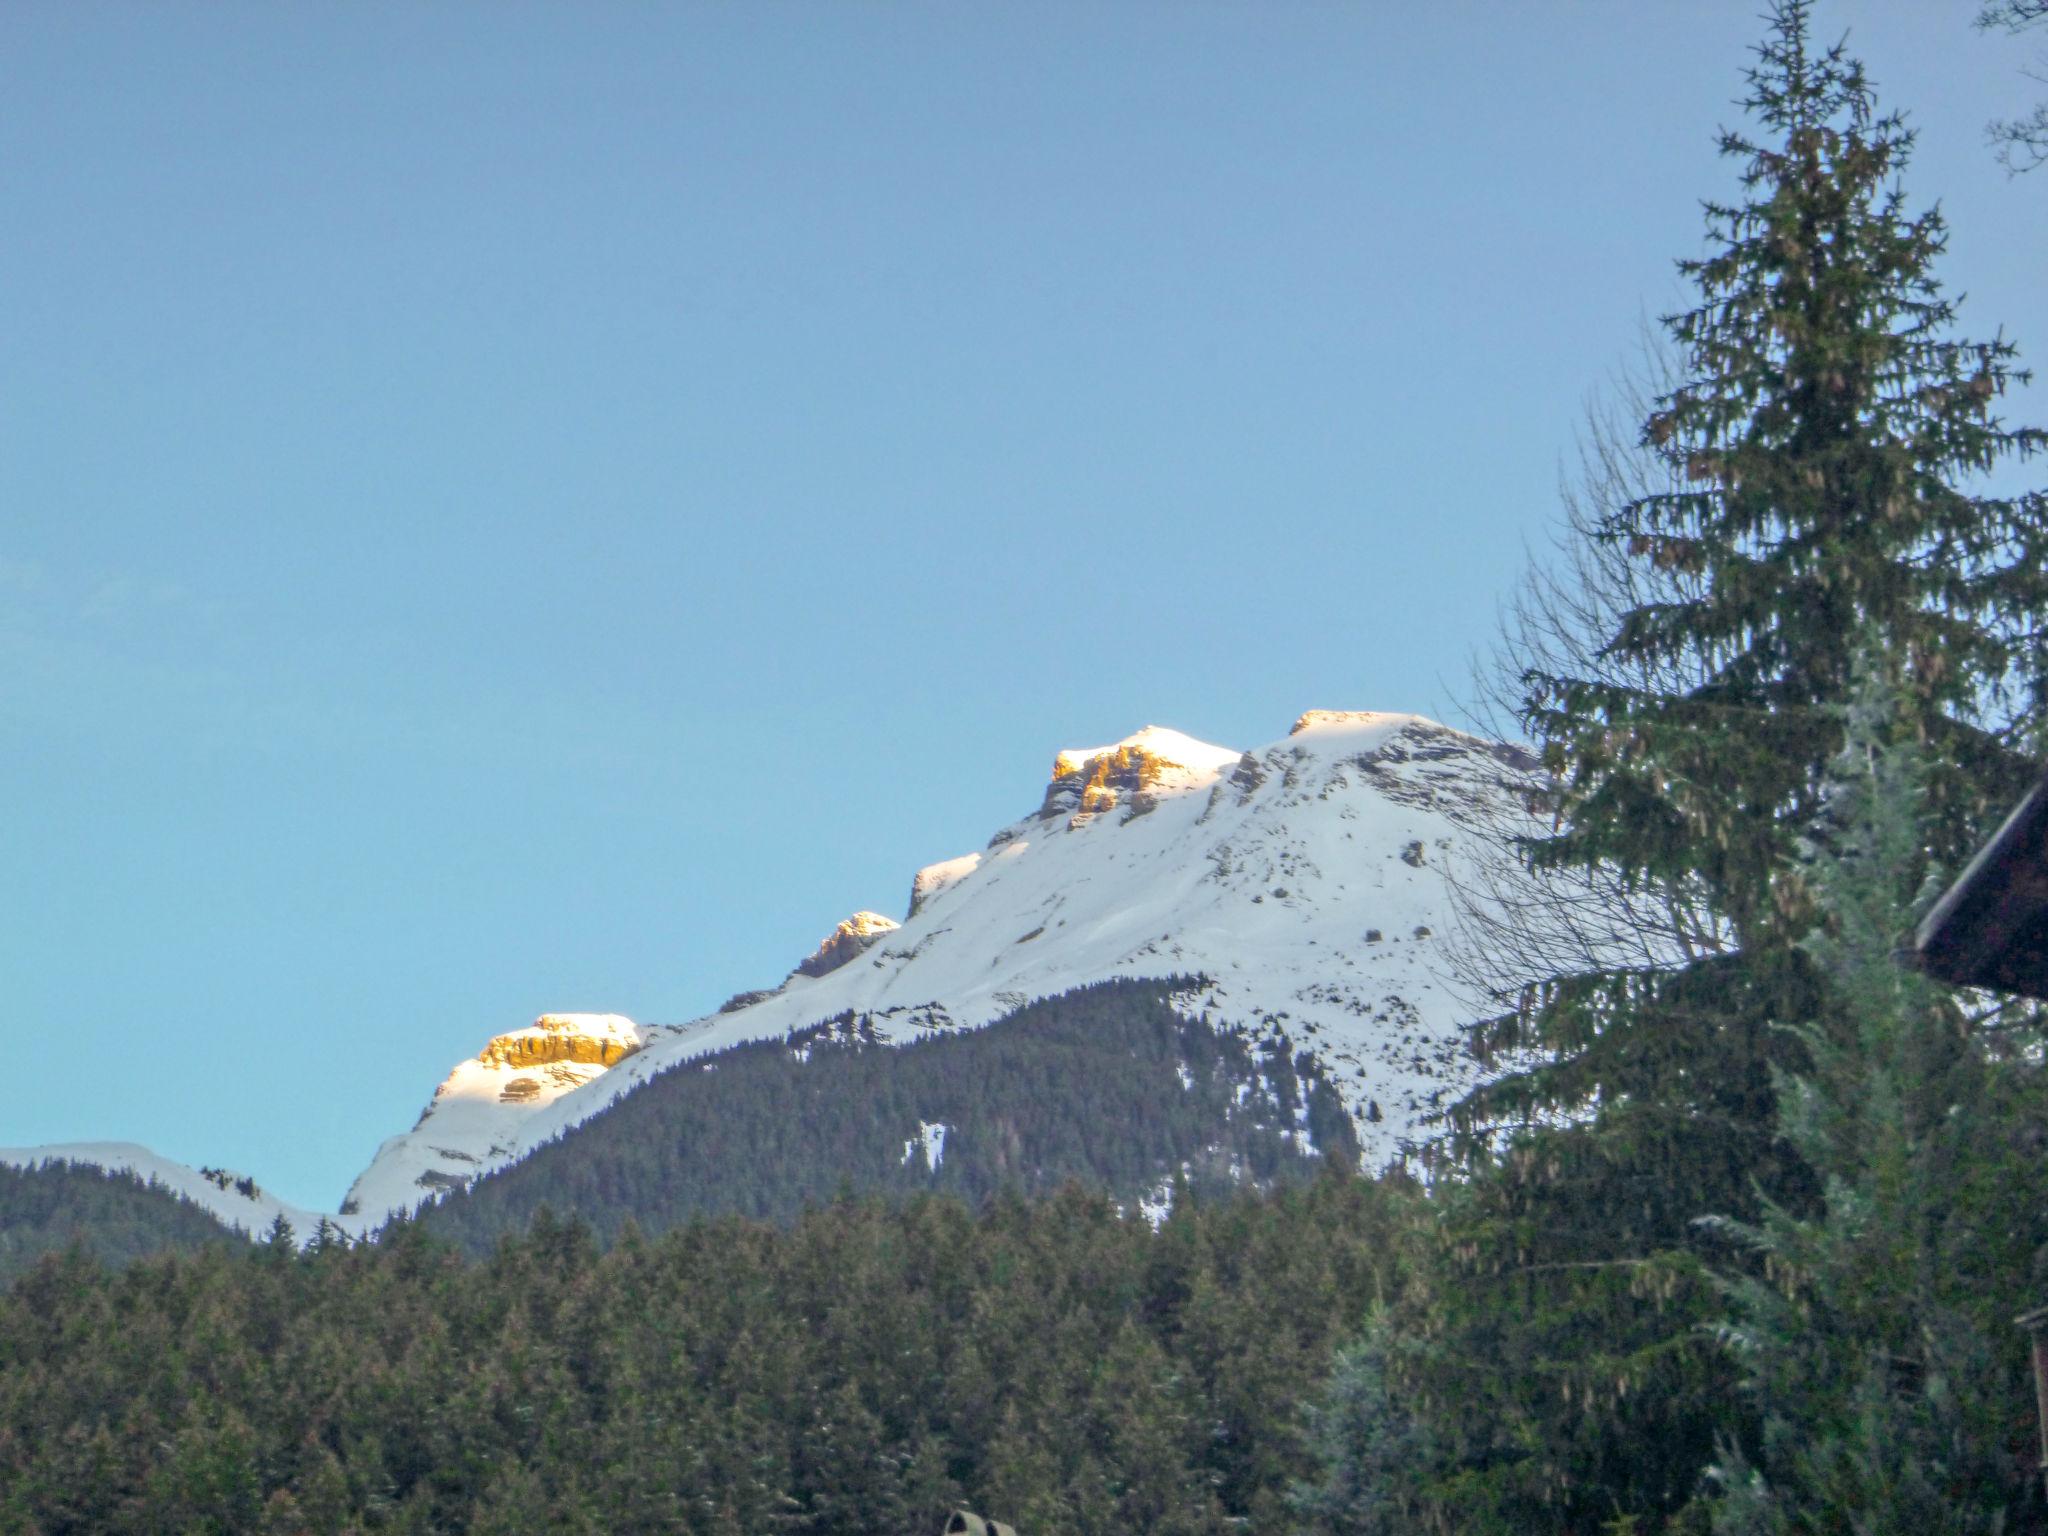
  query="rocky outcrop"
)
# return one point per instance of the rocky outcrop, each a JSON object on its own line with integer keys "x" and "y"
{"x": 1134, "y": 774}
{"x": 590, "y": 1039}
{"x": 1418, "y": 763}
{"x": 475, "y": 1114}
{"x": 847, "y": 942}
{"x": 1089, "y": 785}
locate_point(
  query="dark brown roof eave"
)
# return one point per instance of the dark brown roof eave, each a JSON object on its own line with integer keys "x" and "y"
{"x": 1990, "y": 929}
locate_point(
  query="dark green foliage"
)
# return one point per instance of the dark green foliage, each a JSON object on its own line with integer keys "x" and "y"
{"x": 115, "y": 1217}
{"x": 1816, "y": 454}
{"x": 1107, "y": 1085}
{"x": 1814, "y": 449}
{"x": 1367, "y": 1445}
{"x": 1817, "y": 445}
{"x": 1874, "y": 1336}
{"x": 863, "y": 1369}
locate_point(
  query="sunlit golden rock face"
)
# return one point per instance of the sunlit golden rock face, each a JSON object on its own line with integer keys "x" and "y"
{"x": 846, "y": 942}
{"x": 559, "y": 1038}
{"x": 1088, "y": 786}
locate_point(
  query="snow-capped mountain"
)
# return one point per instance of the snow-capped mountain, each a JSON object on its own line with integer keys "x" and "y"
{"x": 1304, "y": 881}
{"x": 476, "y": 1116}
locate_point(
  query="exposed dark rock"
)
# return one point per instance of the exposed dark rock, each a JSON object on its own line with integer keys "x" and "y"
{"x": 847, "y": 942}
{"x": 1519, "y": 758}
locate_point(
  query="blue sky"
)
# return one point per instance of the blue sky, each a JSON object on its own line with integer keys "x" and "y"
{"x": 521, "y": 507}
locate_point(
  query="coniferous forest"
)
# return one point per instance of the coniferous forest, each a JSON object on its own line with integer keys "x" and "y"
{"x": 1107, "y": 1084}
{"x": 1732, "y": 1243}
{"x": 114, "y": 1217}
{"x": 866, "y": 1368}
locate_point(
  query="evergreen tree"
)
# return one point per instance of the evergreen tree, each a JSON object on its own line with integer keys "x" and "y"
{"x": 1821, "y": 444}
{"x": 867, "y": 1368}
{"x": 1824, "y": 433}
{"x": 1367, "y": 1446}
{"x": 1870, "y": 1335}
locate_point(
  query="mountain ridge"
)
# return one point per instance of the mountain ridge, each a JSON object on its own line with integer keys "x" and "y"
{"x": 1305, "y": 880}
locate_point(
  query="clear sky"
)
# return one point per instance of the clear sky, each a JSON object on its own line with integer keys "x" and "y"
{"x": 521, "y": 507}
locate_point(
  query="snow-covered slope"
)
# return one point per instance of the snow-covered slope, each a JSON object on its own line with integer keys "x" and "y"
{"x": 1305, "y": 881}
{"x": 233, "y": 1198}
{"x": 475, "y": 1119}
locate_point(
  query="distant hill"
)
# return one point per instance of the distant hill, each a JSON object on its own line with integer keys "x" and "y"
{"x": 1109, "y": 1086}
{"x": 116, "y": 1216}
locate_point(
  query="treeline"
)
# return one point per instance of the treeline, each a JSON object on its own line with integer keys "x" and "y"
{"x": 861, "y": 1370}
{"x": 115, "y": 1217}
{"x": 1108, "y": 1085}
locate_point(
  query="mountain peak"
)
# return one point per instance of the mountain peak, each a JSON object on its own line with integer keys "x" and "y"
{"x": 1297, "y": 894}
{"x": 1344, "y": 719}
{"x": 846, "y": 942}
{"x": 473, "y": 1119}
{"x": 1296, "y": 887}
{"x": 1155, "y": 744}
{"x": 1143, "y": 766}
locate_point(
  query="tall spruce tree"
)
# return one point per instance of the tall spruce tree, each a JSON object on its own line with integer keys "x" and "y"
{"x": 1828, "y": 432}
{"x": 1825, "y": 442}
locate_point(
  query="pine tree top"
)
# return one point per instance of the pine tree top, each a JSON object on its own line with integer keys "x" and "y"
{"x": 1822, "y": 453}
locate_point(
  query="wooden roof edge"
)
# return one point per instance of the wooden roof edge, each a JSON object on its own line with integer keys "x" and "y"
{"x": 1965, "y": 889}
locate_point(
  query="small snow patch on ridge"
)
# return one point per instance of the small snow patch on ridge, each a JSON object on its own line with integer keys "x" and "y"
{"x": 934, "y": 878}
{"x": 1321, "y": 719}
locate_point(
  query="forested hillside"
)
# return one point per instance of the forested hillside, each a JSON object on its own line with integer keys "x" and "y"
{"x": 1107, "y": 1086}
{"x": 115, "y": 1217}
{"x": 863, "y": 1370}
